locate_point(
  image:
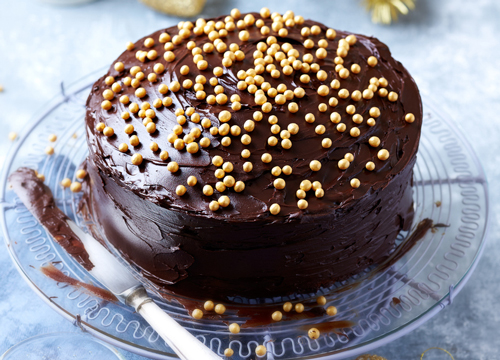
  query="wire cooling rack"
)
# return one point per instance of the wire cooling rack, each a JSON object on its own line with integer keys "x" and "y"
{"x": 450, "y": 188}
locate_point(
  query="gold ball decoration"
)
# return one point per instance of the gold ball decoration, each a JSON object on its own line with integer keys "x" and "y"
{"x": 331, "y": 310}
{"x": 313, "y": 333}
{"x": 383, "y": 154}
{"x": 234, "y": 328}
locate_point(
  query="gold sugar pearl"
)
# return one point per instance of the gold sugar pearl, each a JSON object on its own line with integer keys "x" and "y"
{"x": 108, "y": 131}
{"x": 300, "y": 194}
{"x": 244, "y": 35}
{"x": 274, "y": 209}
{"x": 208, "y": 191}
{"x": 341, "y": 127}
{"x": 239, "y": 186}
{"x": 247, "y": 166}
{"x": 350, "y": 109}
{"x": 343, "y": 93}
{"x": 223, "y": 201}
{"x": 356, "y": 95}
{"x": 355, "y": 183}
{"x": 355, "y": 68}
{"x": 276, "y": 171}
{"x": 335, "y": 84}
{"x": 409, "y": 118}
{"x": 323, "y": 90}
{"x": 52, "y": 137}
{"x": 134, "y": 140}
{"x": 49, "y": 150}
{"x": 344, "y": 73}
{"x": 229, "y": 181}
{"x": 367, "y": 94}
{"x": 192, "y": 148}
{"x": 110, "y": 79}
{"x": 374, "y": 141}
{"x": 354, "y": 132}
{"x": 313, "y": 333}
{"x": 371, "y": 122}
{"x": 220, "y": 186}
{"x": 151, "y": 127}
{"x": 245, "y": 153}
{"x": 320, "y": 129}
{"x": 136, "y": 159}
{"x": 173, "y": 166}
{"x": 266, "y": 158}
{"x": 277, "y": 316}
{"x": 287, "y": 307}
{"x": 326, "y": 143}
{"x": 260, "y": 350}
{"x": 179, "y": 144}
{"x": 331, "y": 310}
{"x": 315, "y": 165}
{"x": 214, "y": 205}
{"x": 279, "y": 184}
{"x": 370, "y": 165}
{"x": 357, "y": 118}
{"x": 293, "y": 128}
{"x": 299, "y": 92}
{"x": 383, "y": 154}
{"x": 310, "y": 118}
{"x": 129, "y": 46}
{"x": 106, "y": 105}
{"x": 286, "y": 144}
{"x": 180, "y": 190}
{"x": 80, "y": 174}
{"x": 224, "y": 116}
{"x": 305, "y": 185}
{"x": 125, "y": 115}
{"x": 75, "y": 186}
{"x": 234, "y": 328}
{"x": 226, "y": 141}
{"x": 383, "y": 92}
{"x": 285, "y": 134}
{"x": 287, "y": 169}
{"x": 209, "y": 305}
{"x": 197, "y": 314}
{"x": 227, "y": 167}
{"x": 374, "y": 112}
{"x": 219, "y": 173}
{"x": 123, "y": 147}
{"x": 335, "y": 117}
{"x": 392, "y": 96}
{"x": 319, "y": 193}
{"x": 349, "y": 157}
{"x": 228, "y": 352}
{"x": 343, "y": 164}
{"x": 66, "y": 182}
{"x": 140, "y": 92}
{"x": 299, "y": 307}
{"x": 372, "y": 61}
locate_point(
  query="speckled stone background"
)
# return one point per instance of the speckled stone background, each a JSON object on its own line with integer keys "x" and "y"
{"x": 451, "y": 47}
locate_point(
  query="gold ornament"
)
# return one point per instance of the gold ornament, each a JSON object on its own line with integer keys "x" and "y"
{"x": 185, "y": 8}
{"x": 370, "y": 357}
{"x": 385, "y": 11}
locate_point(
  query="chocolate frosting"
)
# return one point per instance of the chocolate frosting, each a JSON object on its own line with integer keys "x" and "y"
{"x": 243, "y": 250}
{"x": 37, "y": 197}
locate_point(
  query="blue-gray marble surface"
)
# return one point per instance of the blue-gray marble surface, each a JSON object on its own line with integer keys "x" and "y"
{"x": 451, "y": 47}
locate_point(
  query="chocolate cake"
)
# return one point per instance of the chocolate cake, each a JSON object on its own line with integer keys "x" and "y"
{"x": 253, "y": 155}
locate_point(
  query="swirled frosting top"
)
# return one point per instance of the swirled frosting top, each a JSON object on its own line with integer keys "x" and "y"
{"x": 236, "y": 104}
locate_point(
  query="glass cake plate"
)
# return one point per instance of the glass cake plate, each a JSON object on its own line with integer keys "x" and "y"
{"x": 449, "y": 188}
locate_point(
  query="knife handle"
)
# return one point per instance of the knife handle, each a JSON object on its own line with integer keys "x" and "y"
{"x": 185, "y": 345}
